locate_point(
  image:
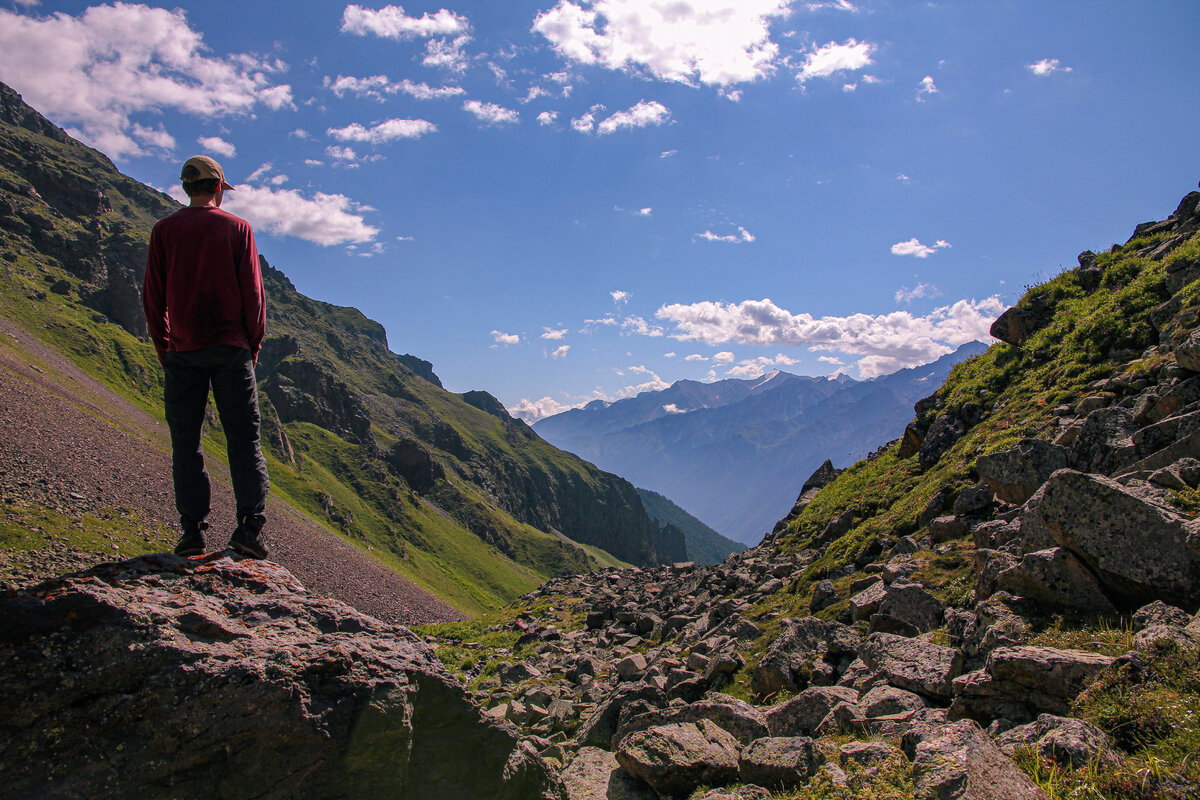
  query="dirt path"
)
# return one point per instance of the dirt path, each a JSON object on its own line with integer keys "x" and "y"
{"x": 69, "y": 443}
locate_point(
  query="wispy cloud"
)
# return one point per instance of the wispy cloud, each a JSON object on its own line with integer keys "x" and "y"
{"x": 712, "y": 42}
{"x": 505, "y": 338}
{"x": 926, "y": 87}
{"x": 376, "y": 86}
{"x": 913, "y": 247}
{"x": 215, "y": 144}
{"x": 619, "y": 296}
{"x": 1047, "y": 66}
{"x": 491, "y": 113}
{"x": 831, "y": 58}
{"x": 447, "y": 54}
{"x": 740, "y": 237}
{"x": 101, "y": 69}
{"x": 390, "y": 22}
{"x": 561, "y": 351}
{"x": 887, "y": 342}
{"x": 907, "y": 295}
{"x": 385, "y": 131}
{"x": 553, "y": 333}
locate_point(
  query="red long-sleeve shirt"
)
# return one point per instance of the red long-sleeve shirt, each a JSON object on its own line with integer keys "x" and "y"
{"x": 203, "y": 286}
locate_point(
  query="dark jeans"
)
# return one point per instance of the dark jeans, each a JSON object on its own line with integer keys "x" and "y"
{"x": 230, "y": 372}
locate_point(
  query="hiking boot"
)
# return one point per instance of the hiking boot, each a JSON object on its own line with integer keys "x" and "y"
{"x": 192, "y": 541}
{"x": 249, "y": 542}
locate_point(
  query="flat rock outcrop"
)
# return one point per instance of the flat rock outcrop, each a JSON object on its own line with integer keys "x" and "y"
{"x": 163, "y": 677}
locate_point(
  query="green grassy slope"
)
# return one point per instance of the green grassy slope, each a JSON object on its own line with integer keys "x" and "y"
{"x": 704, "y": 545}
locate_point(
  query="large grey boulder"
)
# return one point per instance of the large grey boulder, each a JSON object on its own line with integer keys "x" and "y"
{"x": 1067, "y": 741}
{"x": 1140, "y": 551}
{"x": 1055, "y": 580}
{"x": 675, "y": 759}
{"x": 941, "y": 436}
{"x": 742, "y": 720}
{"x": 960, "y": 762}
{"x": 779, "y": 762}
{"x": 1019, "y": 683}
{"x": 1105, "y": 442}
{"x": 1015, "y": 474}
{"x": 1016, "y": 325}
{"x": 912, "y": 604}
{"x": 801, "y": 715}
{"x": 788, "y": 663}
{"x": 164, "y": 677}
{"x": 594, "y": 774}
{"x": 911, "y": 664}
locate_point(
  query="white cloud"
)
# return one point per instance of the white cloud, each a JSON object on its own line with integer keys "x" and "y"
{"x": 390, "y": 22}
{"x": 385, "y": 131}
{"x": 341, "y": 153}
{"x": 669, "y": 355}
{"x": 215, "y": 144}
{"x": 101, "y": 68}
{"x": 585, "y": 123}
{"x": 724, "y": 357}
{"x": 561, "y": 352}
{"x": 619, "y": 296}
{"x": 260, "y": 173}
{"x": 831, "y": 5}
{"x": 423, "y": 91}
{"x": 1047, "y": 66}
{"x": 547, "y": 117}
{"x": 747, "y": 369}
{"x": 888, "y": 341}
{"x": 742, "y": 235}
{"x": 913, "y": 247}
{"x": 490, "y": 113}
{"x": 641, "y": 115}
{"x": 374, "y": 86}
{"x": 652, "y": 384}
{"x": 695, "y": 357}
{"x": 636, "y": 324}
{"x": 324, "y": 219}
{"x": 554, "y": 333}
{"x": 831, "y": 58}
{"x": 447, "y": 54}
{"x": 907, "y": 295}
{"x": 713, "y": 42}
{"x": 644, "y": 212}
{"x": 313, "y": 162}
{"x": 926, "y": 86}
{"x": 668, "y": 153}
{"x": 834, "y": 360}
{"x": 533, "y": 410}
{"x": 505, "y": 338}
{"x": 301, "y": 134}
{"x": 671, "y": 408}
{"x": 903, "y": 178}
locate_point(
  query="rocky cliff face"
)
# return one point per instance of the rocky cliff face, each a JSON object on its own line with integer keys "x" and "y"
{"x": 173, "y": 678}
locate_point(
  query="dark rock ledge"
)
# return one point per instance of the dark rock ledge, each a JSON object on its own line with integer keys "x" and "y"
{"x": 211, "y": 677}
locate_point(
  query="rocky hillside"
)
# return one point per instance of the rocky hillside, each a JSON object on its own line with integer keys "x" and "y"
{"x": 1005, "y": 603}
{"x": 447, "y": 489}
{"x": 732, "y": 452}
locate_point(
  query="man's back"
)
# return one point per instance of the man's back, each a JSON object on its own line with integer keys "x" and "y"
{"x": 203, "y": 285}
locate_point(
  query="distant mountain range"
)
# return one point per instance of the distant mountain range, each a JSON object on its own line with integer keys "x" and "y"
{"x": 735, "y": 452}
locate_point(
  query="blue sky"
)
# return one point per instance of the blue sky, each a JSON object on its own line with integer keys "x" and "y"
{"x": 565, "y": 200}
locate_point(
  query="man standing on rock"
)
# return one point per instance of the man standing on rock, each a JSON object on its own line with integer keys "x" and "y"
{"x": 206, "y": 311}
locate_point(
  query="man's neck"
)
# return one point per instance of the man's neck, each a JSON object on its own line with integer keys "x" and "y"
{"x": 205, "y": 201}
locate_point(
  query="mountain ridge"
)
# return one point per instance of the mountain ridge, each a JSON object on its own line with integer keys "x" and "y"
{"x": 735, "y": 457}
